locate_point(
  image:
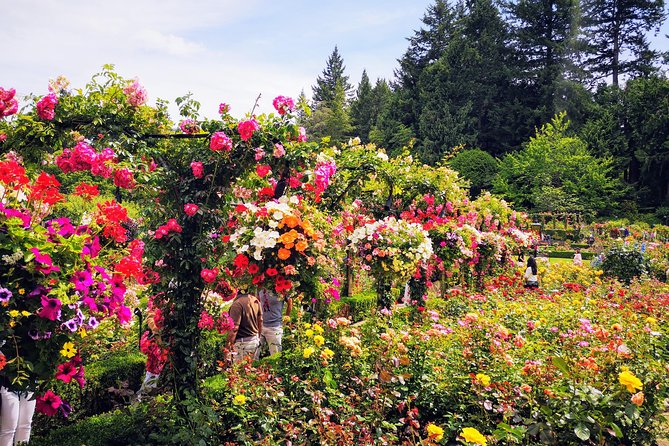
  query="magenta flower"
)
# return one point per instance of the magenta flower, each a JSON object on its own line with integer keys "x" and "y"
{"x": 46, "y": 107}
{"x": 189, "y": 126}
{"x": 50, "y": 308}
{"x": 197, "y": 168}
{"x": 46, "y": 266}
{"x": 191, "y": 209}
{"x": 124, "y": 178}
{"x": 8, "y": 104}
{"x": 48, "y": 404}
{"x": 223, "y": 108}
{"x": 220, "y": 141}
{"x": 82, "y": 281}
{"x": 66, "y": 372}
{"x": 246, "y": 129}
{"x": 283, "y": 104}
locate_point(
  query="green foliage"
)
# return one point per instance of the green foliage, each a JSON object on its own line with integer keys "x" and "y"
{"x": 624, "y": 263}
{"x": 358, "y": 307}
{"x": 556, "y": 172}
{"x": 476, "y": 166}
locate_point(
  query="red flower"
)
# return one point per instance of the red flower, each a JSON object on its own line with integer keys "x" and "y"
{"x": 209, "y": 275}
{"x": 45, "y": 189}
{"x": 241, "y": 261}
{"x": 87, "y": 190}
{"x": 257, "y": 280}
{"x": 220, "y": 141}
{"x": 240, "y": 208}
{"x": 48, "y": 404}
{"x": 12, "y": 173}
{"x": 271, "y": 272}
{"x": 172, "y": 225}
{"x": 262, "y": 170}
{"x": 3, "y": 361}
{"x": 253, "y": 268}
{"x": 190, "y": 209}
{"x": 206, "y": 322}
{"x": 246, "y": 129}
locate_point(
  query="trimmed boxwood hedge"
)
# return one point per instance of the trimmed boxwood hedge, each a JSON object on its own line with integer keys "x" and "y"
{"x": 95, "y": 398}
{"x": 569, "y": 255}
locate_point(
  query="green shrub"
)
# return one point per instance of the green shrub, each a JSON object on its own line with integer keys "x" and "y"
{"x": 624, "y": 263}
{"x": 359, "y": 306}
{"x": 127, "y": 427}
{"x": 120, "y": 371}
{"x": 569, "y": 255}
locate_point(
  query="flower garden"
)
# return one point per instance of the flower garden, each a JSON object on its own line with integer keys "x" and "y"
{"x": 412, "y": 325}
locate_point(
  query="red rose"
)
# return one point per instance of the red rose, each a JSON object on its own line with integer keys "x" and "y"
{"x": 271, "y": 272}
{"x": 253, "y": 268}
{"x": 197, "y": 169}
{"x": 262, "y": 170}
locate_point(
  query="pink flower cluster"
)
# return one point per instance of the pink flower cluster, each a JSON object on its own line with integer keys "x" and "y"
{"x": 222, "y": 325}
{"x": 191, "y": 209}
{"x": 246, "y": 129}
{"x": 283, "y": 105}
{"x": 322, "y": 173}
{"x": 220, "y": 141}
{"x": 209, "y": 275}
{"x": 171, "y": 226}
{"x": 189, "y": 126}
{"x": 83, "y": 157}
{"x": 197, "y": 168}
{"x": 8, "y": 103}
{"x": 136, "y": 94}
{"x": 46, "y": 107}
{"x": 124, "y": 178}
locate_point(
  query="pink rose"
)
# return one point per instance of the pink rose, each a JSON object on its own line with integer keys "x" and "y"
{"x": 220, "y": 141}
{"x": 223, "y": 108}
{"x": 124, "y": 178}
{"x": 198, "y": 170}
{"x": 209, "y": 275}
{"x": 246, "y": 129}
{"x": 190, "y": 209}
{"x": 46, "y": 107}
{"x": 302, "y": 136}
{"x": 283, "y": 104}
{"x": 136, "y": 94}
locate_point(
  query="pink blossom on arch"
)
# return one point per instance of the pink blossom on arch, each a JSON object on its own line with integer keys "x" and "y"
{"x": 220, "y": 141}
{"x": 223, "y": 108}
{"x": 197, "y": 168}
{"x": 124, "y": 178}
{"x": 302, "y": 135}
{"x": 283, "y": 104}
{"x": 46, "y": 107}
{"x": 135, "y": 93}
{"x": 8, "y": 104}
{"x": 246, "y": 129}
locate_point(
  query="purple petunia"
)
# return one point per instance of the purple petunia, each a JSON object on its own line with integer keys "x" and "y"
{"x": 82, "y": 281}
{"x": 5, "y": 295}
{"x": 50, "y": 308}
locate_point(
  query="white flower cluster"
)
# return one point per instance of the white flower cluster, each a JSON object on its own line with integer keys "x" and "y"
{"x": 522, "y": 237}
{"x": 12, "y": 259}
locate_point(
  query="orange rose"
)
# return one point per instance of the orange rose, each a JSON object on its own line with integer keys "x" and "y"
{"x": 301, "y": 246}
{"x": 637, "y": 398}
{"x": 291, "y": 221}
{"x": 284, "y": 253}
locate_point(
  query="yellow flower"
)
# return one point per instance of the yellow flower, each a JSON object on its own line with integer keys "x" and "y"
{"x": 326, "y": 353}
{"x": 483, "y": 379}
{"x": 68, "y": 350}
{"x": 651, "y": 320}
{"x": 14, "y": 313}
{"x": 631, "y": 382}
{"x": 435, "y": 432}
{"x": 82, "y": 332}
{"x": 309, "y": 333}
{"x": 239, "y": 400}
{"x": 307, "y": 325}
{"x": 318, "y": 329}
{"x": 471, "y": 435}
{"x": 307, "y": 352}
{"x": 26, "y": 313}
{"x": 319, "y": 340}
{"x": 22, "y": 291}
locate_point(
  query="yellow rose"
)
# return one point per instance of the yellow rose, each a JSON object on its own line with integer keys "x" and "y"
{"x": 631, "y": 382}
{"x": 239, "y": 400}
{"x": 318, "y": 329}
{"x": 483, "y": 379}
{"x": 309, "y": 333}
{"x": 319, "y": 340}
{"x": 307, "y": 352}
{"x": 471, "y": 435}
{"x": 434, "y": 432}
{"x": 326, "y": 353}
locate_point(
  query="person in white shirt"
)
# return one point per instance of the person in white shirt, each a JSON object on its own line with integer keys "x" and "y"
{"x": 578, "y": 260}
{"x": 531, "y": 273}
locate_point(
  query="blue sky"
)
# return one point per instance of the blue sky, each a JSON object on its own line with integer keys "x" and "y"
{"x": 220, "y": 50}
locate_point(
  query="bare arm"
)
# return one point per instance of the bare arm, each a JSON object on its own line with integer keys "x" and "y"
{"x": 289, "y": 307}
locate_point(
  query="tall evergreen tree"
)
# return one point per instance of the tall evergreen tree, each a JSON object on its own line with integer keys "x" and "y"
{"x": 545, "y": 33}
{"x": 324, "y": 90}
{"x": 616, "y": 31}
{"x": 363, "y": 113}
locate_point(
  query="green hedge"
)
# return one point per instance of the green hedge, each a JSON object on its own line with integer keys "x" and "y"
{"x": 95, "y": 398}
{"x": 126, "y": 427}
{"x": 569, "y": 255}
{"x": 359, "y": 306}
